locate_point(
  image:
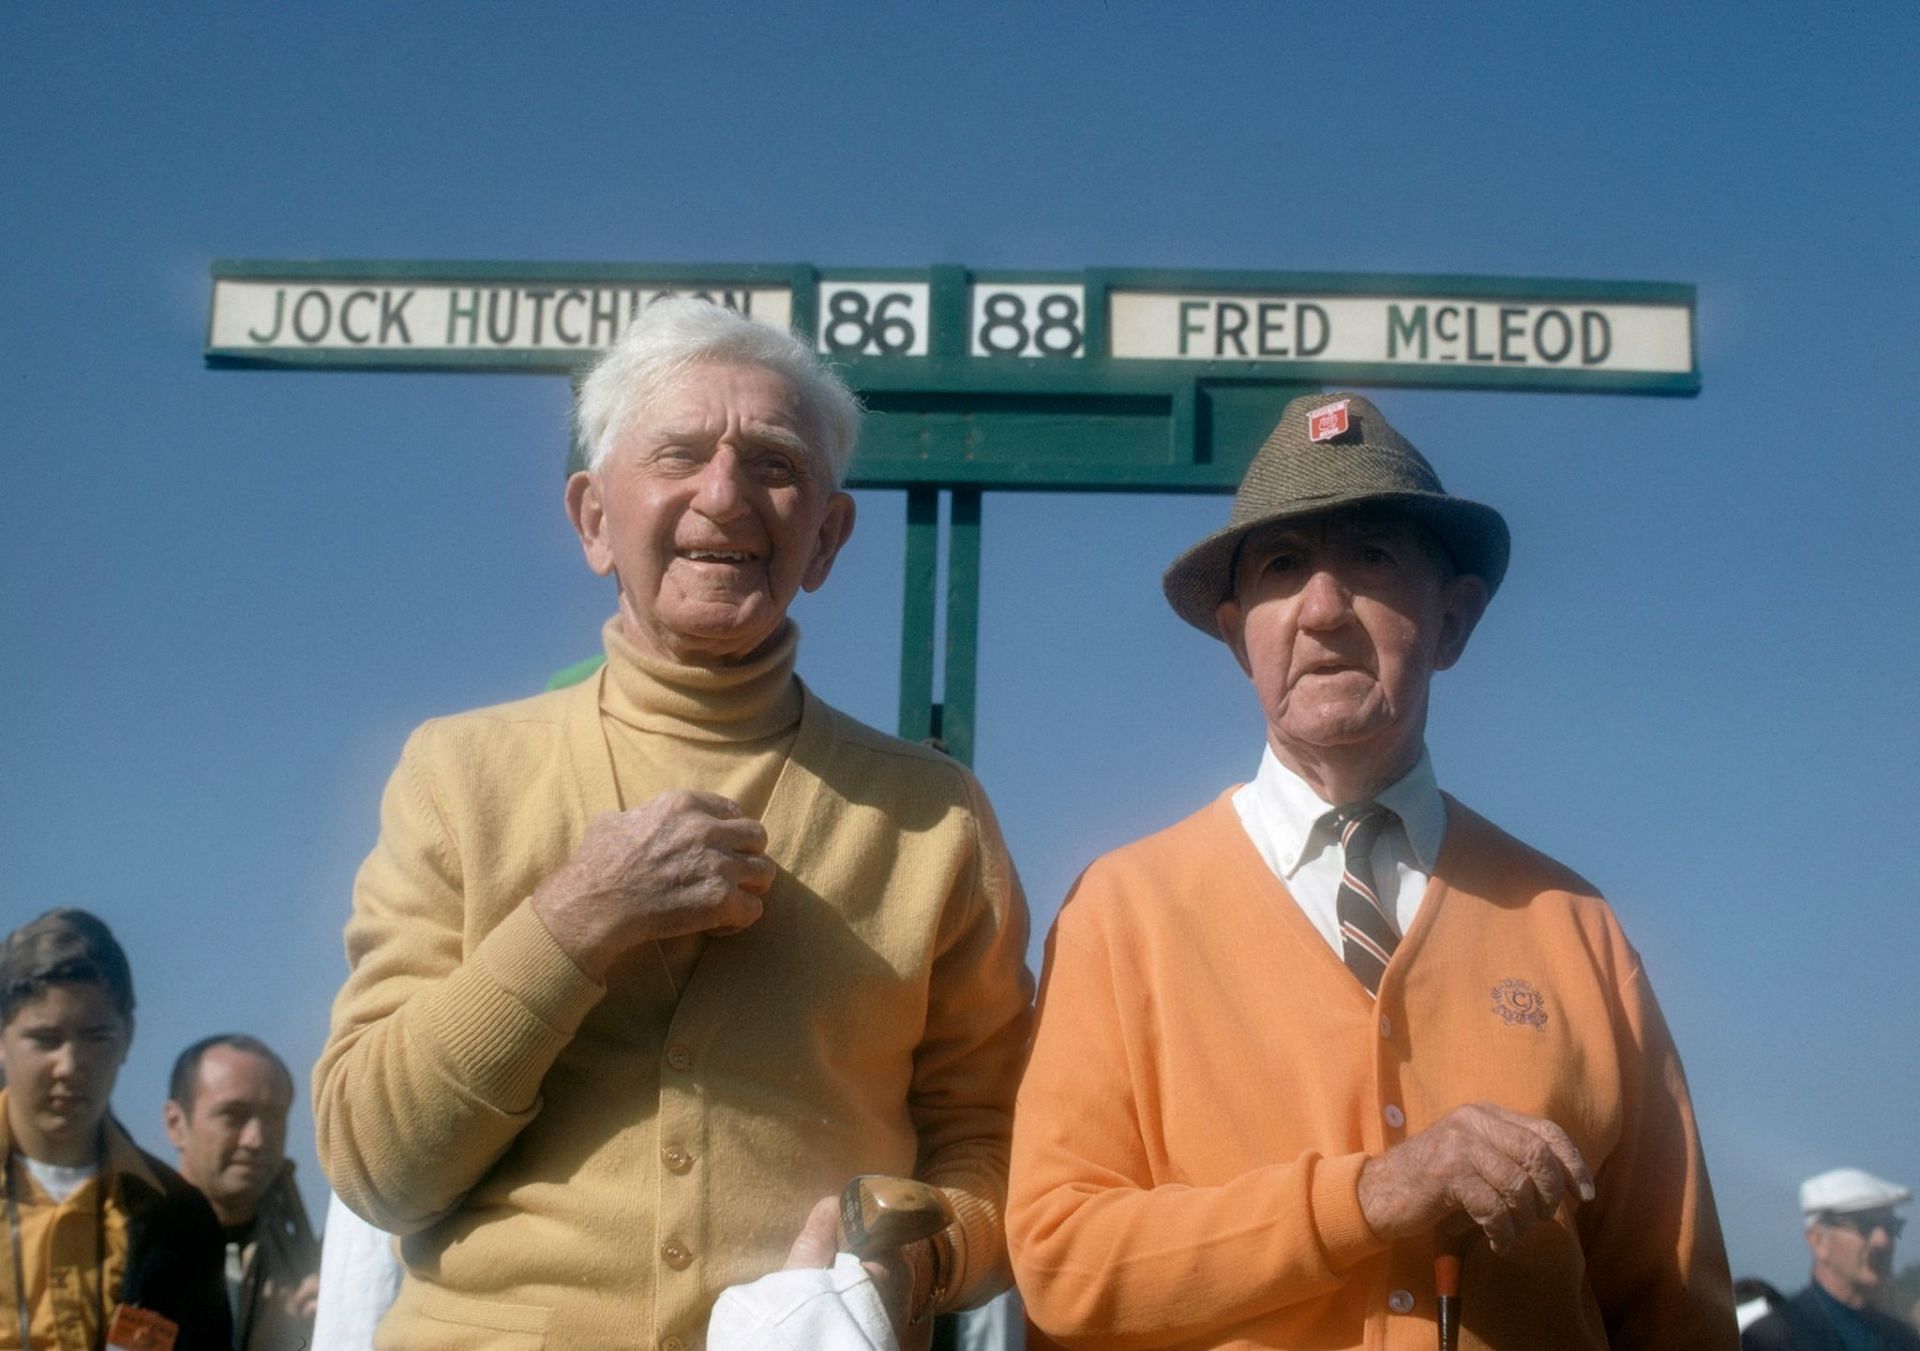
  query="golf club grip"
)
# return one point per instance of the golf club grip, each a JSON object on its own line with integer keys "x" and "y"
{"x": 1446, "y": 1284}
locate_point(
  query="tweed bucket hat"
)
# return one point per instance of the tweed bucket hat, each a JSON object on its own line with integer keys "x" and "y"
{"x": 1330, "y": 451}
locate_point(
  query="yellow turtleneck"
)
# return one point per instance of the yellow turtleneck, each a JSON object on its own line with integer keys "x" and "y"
{"x": 722, "y": 729}
{"x": 719, "y": 729}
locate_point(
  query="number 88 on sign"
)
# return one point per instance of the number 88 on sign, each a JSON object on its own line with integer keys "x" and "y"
{"x": 1027, "y": 320}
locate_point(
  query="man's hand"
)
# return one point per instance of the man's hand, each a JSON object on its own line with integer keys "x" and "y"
{"x": 304, "y": 1301}
{"x": 301, "y": 1301}
{"x": 904, "y": 1278}
{"x": 1501, "y": 1169}
{"x": 685, "y": 863}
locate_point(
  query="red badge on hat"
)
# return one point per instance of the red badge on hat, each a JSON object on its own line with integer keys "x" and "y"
{"x": 1327, "y": 421}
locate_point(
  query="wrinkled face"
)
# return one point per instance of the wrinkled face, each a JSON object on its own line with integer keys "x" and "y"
{"x": 1853, "y": 1254}
{"x": 62, "y": 1051}
{"x": 1341, "y": 620}
{"x": 234, "y": 1136}
{"x": 712, "y": 510}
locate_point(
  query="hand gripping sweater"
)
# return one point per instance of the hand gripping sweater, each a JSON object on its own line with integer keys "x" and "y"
{"x": 1208, "y": 1078}
{"x": 579, "y": 1166}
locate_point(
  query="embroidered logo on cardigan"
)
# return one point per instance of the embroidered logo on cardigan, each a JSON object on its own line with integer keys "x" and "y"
{"x": 1519, "y": 1004}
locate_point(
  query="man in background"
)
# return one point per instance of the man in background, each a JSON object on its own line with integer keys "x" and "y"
{"x": 226, "y": 1114}
{"x": 1851, "y": 1227}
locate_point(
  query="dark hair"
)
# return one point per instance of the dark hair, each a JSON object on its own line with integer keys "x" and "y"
{"x": 185, "y": 1082}
{"x": 63, "y": 947}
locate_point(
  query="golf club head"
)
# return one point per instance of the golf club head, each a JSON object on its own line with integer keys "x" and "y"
{"x": 880, "y": 1214}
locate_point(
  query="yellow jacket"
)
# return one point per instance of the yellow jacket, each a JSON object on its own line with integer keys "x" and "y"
{"x": 155, "y": 1245}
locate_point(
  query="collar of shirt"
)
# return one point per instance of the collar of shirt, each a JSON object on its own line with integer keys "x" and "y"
{"x": 60, "y": 1180}
{"x": 1296, "y": 820}
{"x": 1290, "y": 825}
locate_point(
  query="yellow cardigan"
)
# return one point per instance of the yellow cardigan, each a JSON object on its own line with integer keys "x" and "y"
{"x": 1208, "y": 1078}
{"x": 583, "y": 1166}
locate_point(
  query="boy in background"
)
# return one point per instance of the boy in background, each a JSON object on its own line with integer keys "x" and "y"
{"x": 101, "y": 1235}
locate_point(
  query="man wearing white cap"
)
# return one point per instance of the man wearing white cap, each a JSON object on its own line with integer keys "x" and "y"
{"x": 1851, "y": 1228}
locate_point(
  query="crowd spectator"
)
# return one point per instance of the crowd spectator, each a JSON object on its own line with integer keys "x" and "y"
{"x": 226, "y": 1114}
{"x": 1851, "y": 1223}
{"x": 105, "y": 1240}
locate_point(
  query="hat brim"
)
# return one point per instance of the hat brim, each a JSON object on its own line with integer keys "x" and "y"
{"x": 1474, "y": 534}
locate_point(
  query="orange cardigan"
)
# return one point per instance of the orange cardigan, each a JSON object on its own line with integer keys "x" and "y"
{"x": 1207, "y": 1079}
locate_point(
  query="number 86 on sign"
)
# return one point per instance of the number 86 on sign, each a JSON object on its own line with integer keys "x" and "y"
{"x": 882, "y": 319}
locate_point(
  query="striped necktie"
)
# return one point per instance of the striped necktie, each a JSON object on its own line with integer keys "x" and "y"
{"x": 1367, "y": 939}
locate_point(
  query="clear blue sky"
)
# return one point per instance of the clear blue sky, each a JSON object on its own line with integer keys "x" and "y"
{"x": 226, "y": 596}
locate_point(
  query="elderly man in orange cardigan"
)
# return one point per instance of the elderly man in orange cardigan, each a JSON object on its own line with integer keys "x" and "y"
{"x": 1335, "y": 1024}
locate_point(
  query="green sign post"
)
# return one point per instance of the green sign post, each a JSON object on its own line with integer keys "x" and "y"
{"x": 1110, "y": 379}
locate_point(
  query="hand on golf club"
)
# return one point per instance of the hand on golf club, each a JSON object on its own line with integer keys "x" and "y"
{"x": 1502, "y": 1170}
{"x": 904, "y": 1277}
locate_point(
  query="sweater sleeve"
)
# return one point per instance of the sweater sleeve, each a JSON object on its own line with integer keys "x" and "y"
{"x": 1107, "y": 1255}
{"x": 1655, "y": 1256}
{"x": 979, "y": 1012}
{"x": 436, "y": 1053}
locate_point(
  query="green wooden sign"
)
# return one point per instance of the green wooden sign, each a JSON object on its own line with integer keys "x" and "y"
{"x": 1112, "y": 378}
{"x": 1108, "y": 379}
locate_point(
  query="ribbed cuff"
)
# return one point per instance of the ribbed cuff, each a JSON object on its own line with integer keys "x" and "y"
{"x": 978, "y": 1234}
{"x": 1341, "y": 1225}
{"x": 503, "y": 1017}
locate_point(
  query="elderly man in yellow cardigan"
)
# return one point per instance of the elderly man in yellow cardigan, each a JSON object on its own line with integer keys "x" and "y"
{"x": 644, "y": 969}
{"x": 1296, "y": 1048}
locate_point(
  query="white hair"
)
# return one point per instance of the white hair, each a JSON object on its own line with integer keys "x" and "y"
{"x": 676, "y": 333}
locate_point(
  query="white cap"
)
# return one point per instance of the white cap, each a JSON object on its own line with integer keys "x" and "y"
{"x": 1841, "y": 1191}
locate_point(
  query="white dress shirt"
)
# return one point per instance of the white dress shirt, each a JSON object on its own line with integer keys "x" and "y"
{"x": 1291, "y": 826}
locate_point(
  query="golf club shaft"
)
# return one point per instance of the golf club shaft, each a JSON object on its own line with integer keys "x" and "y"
{"x": 1446, "y": 1284}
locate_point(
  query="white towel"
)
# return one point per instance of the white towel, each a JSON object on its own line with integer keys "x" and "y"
{"x": 835, "y": 1309}
{"x": 359, "y": 1277}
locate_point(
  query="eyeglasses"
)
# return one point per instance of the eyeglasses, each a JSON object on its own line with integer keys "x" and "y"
{"x": 1865, "y": 1222}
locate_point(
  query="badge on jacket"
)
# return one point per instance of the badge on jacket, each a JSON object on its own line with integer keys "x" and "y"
{"x": 133, "y": 1329}
{"x": 1519, "y": 1004}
